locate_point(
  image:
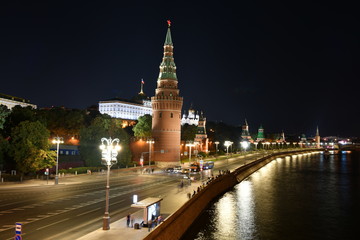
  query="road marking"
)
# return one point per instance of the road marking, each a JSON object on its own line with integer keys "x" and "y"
{"x": 6, "y": 212}
{"x": 53, "y": 223}
{"x": 116, "y": 202}
{"x": 30, "y": 206}
{"x": 88, "y": 212}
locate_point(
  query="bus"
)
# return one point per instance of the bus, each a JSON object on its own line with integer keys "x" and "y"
{"x": 208, "y": 165}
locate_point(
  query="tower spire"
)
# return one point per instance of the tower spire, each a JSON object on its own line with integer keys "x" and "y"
{"x": 166, "y": 106}
{"x": 167, "y": 66}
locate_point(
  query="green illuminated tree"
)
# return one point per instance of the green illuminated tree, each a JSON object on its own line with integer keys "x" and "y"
{"x": 143, "y": 128}
{"x": 4, "y": 112}
{"x": 30, "y": 147}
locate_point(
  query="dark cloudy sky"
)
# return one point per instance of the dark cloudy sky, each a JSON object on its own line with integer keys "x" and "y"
{"x": 289, "y": 66}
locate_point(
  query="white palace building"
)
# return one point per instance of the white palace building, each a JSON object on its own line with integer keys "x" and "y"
{"x": 10, "y": 101}
{"x": 125, "y": 109}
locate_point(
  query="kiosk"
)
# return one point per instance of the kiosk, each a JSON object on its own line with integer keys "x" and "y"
{"x": 151, "y": 208}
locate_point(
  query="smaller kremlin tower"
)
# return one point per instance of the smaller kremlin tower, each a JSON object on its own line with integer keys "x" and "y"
{"x": 245, "y": 132}
{"x": 260, "y": 137}
{"x": 201, "y": 136}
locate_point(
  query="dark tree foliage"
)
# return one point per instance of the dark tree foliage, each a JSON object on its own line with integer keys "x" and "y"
{"x": 188, "y": 132}
{"x": 64, "y": 122}
{"x": 219, "y": 131}
{"x": 17, "y": 115}
{"x": 103, "y": 127}
{"x": 4, "y": 112}
{"x": 5, "y": 160}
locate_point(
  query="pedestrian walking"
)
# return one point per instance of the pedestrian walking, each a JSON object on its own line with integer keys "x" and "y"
{"x": 149, "y": 225}
{"x": 128, "y": 220}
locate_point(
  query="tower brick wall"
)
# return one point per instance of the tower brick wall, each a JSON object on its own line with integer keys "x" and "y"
{"x": 166, "y": 106}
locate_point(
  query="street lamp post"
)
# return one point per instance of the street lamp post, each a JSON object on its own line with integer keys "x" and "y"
{"x": 244, "y": 144}
{"x": 109, "y": 154}
{"x": 190, "y": 144}
{"x": 57, "y": 141}
{"x": 217, "y": 143}
{"x": 227, "y": 144}
{"x": 150, "y": 141}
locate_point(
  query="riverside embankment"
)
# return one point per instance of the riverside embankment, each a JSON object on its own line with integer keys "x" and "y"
{"x": 177, "y": 223}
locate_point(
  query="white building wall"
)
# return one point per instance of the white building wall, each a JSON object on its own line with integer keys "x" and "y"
{"x": 124, "y": 110}
{"x": 12, "y": 103}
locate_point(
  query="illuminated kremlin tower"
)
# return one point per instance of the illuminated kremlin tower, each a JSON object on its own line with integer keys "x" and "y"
{"x": 201, "y": 136}
{"x": 260, "y": 136}
{"x": 166, "y": 107}
{"x": 245, "y": 132}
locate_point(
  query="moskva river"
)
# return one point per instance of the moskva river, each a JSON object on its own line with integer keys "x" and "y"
{"x": 300, "y": 197}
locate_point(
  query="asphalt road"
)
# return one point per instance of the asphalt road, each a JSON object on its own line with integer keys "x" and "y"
{"x": 73, "y": 208}
{"x": 76, "y": 205}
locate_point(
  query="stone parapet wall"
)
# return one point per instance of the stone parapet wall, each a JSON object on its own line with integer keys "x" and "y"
{"x": 177, "y": 223}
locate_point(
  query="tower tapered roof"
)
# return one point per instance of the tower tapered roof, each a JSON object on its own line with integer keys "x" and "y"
{"x": 168, "y": 40}
{"x": 167, "y": 66}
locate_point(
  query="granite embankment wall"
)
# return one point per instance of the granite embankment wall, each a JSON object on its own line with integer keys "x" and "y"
{"x": 177, "y": 223}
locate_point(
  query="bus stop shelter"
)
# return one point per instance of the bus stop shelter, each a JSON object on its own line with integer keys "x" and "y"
{"x": 151, "y": 208}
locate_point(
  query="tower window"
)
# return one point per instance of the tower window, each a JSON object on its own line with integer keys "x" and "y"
{"x": 160, "y": 115}
{"x": 171, "y": 115}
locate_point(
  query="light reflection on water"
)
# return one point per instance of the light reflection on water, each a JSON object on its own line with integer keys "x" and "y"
{"x": 298, "y": 197}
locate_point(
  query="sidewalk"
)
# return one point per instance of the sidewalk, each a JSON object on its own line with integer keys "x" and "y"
{"x": 174, "y": 199}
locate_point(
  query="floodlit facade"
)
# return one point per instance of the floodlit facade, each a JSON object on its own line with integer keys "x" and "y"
{"x": 191, "y": 118}
{"x": 125, "y": 109}
{"x": 166, "y": 106}
{"x": 10, "y": 101}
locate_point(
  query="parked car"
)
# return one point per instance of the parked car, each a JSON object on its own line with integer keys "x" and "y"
{"x": 169, "y": 170}
{"x": 177, "y": 169}
{"x": 185, "y": 170}
{"x": 194, "y": 168}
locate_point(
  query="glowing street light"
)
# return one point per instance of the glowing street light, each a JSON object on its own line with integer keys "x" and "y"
{"x": 109, "y": 154}
{"x": 244, "y": 144}
{"x": 57, "y": 141}
{"x": 227, "y": 144}
{"x": 190, "y": 144}
{"x": 217, "y": 143}
{"x": 150, "y": 141}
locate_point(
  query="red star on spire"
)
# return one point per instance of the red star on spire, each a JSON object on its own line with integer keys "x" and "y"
{"x": 169, "y": 23}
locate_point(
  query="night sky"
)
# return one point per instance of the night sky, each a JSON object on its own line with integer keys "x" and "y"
{"x": 288, "y": 66}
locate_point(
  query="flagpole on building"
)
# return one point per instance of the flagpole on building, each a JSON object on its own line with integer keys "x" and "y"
{"x": 142, "y": 83}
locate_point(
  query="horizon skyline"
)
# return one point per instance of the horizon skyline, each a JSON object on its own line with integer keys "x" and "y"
{"x": 290, "y": 66}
